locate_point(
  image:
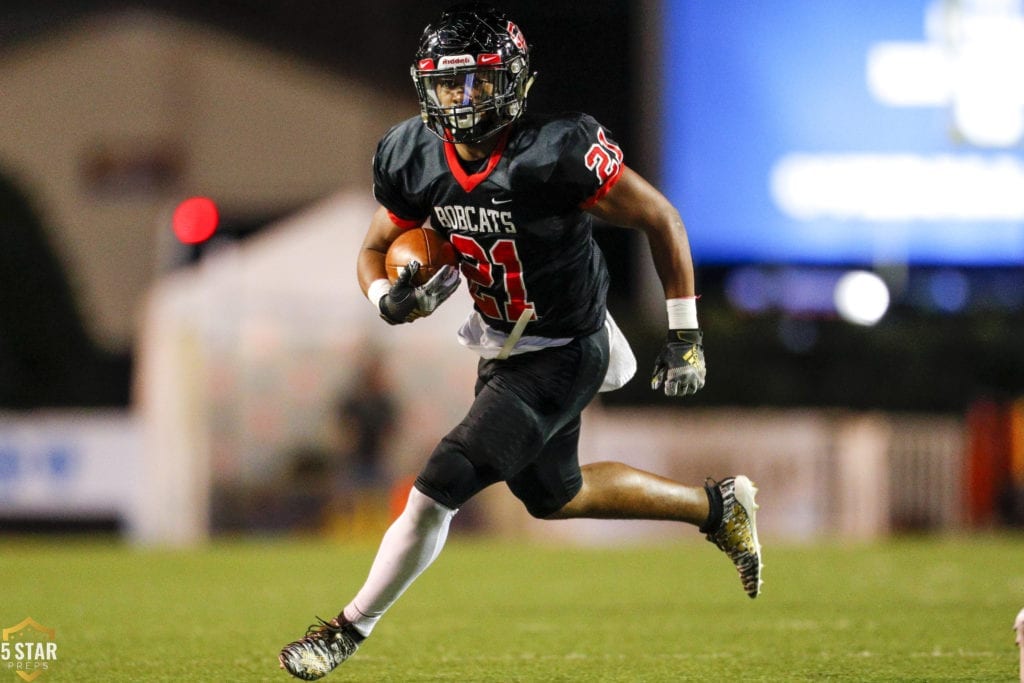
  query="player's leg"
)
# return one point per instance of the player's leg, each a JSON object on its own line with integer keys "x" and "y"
{"x": 410, "y": 545}
{"x": 503, "y": 431}
{"x": 613, "y": 490}
{"x": 553, "y": 486}
{"x": 521, "y": 405}
{"x": 497, "y": 435}
{"x": 556, "y": 487}
{"x": 725, "y": 511}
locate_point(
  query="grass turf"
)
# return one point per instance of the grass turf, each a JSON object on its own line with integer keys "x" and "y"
{"x": 921, "y": 609}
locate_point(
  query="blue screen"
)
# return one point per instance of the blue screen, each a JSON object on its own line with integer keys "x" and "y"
{"x": 852, "y": 131}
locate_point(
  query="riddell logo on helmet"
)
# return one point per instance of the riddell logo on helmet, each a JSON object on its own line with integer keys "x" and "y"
{"x": 456, "y": 60}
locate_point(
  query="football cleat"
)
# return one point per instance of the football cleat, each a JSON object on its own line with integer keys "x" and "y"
{"x": 736, "y": 534}
{"x": 325, "y": 645}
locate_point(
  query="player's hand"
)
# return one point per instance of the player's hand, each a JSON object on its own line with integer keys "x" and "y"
{"x": 399, "y": 303}
{"x": 436, "y": 290}
{"x": 405, "y": 303}
{"x": 680, "y": 369}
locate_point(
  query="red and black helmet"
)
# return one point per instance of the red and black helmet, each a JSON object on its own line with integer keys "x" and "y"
{"x": 472, "y": 73}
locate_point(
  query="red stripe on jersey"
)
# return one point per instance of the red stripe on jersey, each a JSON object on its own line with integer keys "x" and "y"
{"x": 603, "y": 190}
{"x": 405, "y": 223}
{"x": 466, "y": 181}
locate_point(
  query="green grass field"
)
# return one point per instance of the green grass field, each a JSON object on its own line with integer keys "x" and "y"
{"x": 905, "y": 610}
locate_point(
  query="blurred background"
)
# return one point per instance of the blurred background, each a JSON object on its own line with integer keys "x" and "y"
{"x": 851, "y": 175}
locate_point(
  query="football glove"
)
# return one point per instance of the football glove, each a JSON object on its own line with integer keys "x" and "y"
{"x": 404, "y": 303}
{"x": 680, "y": 369}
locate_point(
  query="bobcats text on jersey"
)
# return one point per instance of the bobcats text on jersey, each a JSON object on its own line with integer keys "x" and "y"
{"x": 460, "y": 218}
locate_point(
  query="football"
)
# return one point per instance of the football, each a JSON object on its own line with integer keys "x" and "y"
{"x": 419, "y": 244}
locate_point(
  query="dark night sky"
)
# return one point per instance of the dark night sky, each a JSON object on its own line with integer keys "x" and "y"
{"x": 583, "y": 57}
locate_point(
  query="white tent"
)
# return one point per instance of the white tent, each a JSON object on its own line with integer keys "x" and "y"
{"x": 241, "y": 357}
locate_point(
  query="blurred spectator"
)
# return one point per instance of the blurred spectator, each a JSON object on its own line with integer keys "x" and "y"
{"x": 367, "y": 411}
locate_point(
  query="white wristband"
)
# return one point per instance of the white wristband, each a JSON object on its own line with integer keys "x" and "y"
{"x": 682, "y": 313}
{"x": 377, "y": 289}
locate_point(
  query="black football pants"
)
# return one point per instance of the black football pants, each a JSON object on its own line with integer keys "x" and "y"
{"x": 523, "y": 428}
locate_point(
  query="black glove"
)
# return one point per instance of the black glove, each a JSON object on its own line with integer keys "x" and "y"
{"x": 680, "y": 366}
{"x": 405, "y": 303}
{"x": 398, "y": 304}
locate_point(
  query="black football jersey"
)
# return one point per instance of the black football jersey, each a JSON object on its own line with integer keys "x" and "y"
{"x": 518, "y": 223}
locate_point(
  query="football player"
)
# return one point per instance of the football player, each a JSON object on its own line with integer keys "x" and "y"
{"x": 515, "y": 194}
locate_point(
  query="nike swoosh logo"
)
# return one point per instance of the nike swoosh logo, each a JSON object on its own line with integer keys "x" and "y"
{"x": 500, "y": 201}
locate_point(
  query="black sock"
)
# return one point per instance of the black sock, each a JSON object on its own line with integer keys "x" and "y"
{"x": 714, "y": 519}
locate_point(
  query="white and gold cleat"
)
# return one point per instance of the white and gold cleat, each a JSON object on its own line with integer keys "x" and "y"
{"x": 736, "y": 535}
{"x": 325, "y": 645}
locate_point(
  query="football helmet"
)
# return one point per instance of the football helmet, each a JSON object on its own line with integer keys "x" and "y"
{"x": 472, "y": 73}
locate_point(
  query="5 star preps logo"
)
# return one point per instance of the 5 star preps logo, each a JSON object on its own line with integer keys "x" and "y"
{"x": 28, "y": 649}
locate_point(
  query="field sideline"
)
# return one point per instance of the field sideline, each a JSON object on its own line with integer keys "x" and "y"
{"x": 916, "y": 609}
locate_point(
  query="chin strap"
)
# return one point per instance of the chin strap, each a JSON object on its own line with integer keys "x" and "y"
{"x": 529, "y": 84}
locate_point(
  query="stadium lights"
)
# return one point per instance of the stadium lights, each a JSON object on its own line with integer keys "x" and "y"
{"x": 861, "y": 297}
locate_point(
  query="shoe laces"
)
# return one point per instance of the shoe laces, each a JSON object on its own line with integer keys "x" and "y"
{"x": 327, "y": 638}
{"x": 322, "y": 629}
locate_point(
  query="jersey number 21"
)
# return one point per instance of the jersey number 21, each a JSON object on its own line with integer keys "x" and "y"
{"x": 479, "y": 268}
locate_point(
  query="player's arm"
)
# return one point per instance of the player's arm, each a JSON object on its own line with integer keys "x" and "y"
{"x": 370, "y": 264}
{"x": 400, "y": 301}
{"x": 632, "y": 202}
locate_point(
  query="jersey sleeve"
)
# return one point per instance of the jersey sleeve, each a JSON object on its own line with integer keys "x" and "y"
{"x": 390, "y": 185}
{"x": 589, "y": 163}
